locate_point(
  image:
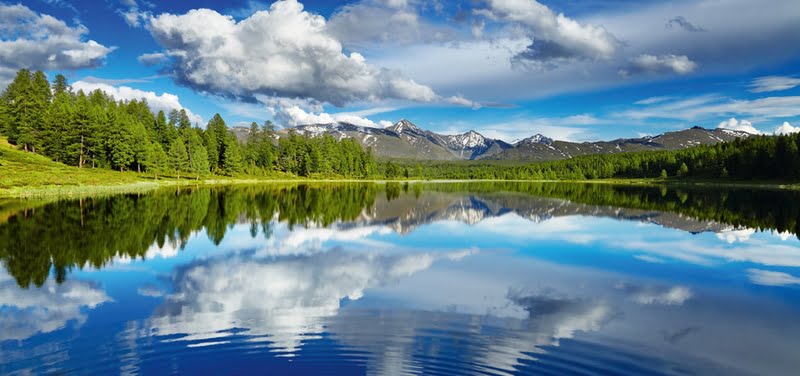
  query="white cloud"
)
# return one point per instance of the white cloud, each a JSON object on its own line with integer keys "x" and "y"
{"x": 153, "y": 58}
{"x": 27, "y": 312}
{"x": 373, "y": 22}
{"x": 39, "y": 41}
{"x": 771, "y": 278}
{"x": 163, "y": 102}
{"x": 653, "y": 100}
{"x": 738, "y": 125}
{"x": 773, "y": 83}
{"x": 556, "y": 38}
{"x": 733, "y": 235}
{"x": 786, "y": 128}
{"x": 132, "y": 14}
{"x": 711, "y": 106}
{"x": 481, "y": 69}
{"x": 568, "y": 128}
{"x": 647, "y": 63}
{"x": 290, "y": 113}
{"x": 689, "y": 251}
{"x": 214, "y": 53}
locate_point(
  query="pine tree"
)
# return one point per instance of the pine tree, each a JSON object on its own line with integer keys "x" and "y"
{"x": 683, "y": 170}
{"x": 156, "y": 161}
{"x": 232, "y": 158}
{"x": 198, "y": 156}
{"x": 60, "y": 85}
{"x": 19, "y": 105}
{"x": 57, "y": 128}
{"x": 162, "y": 136}
{"x": 120, "y": 141}
{"x": 141, "y": 144}
{"x": 217, "y": 133}
{"x": 178, "y": 157}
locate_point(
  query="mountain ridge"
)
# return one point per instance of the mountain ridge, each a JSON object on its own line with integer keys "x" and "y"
{"x": 406, "y": 140}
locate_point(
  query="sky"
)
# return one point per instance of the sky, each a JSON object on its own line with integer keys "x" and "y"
{"x": 571, "y": 70}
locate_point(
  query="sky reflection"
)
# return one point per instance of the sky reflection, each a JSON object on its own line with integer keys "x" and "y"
{"x": 497, "y": 283}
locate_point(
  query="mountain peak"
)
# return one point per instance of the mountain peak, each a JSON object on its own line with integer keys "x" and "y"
{"x": 405, "y": 126}
{"x": 535, "y": 139}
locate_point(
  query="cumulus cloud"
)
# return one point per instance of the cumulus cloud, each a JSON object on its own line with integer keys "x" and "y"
{"x": 284, "y": 52}
{"x": 647, "y": 63}
{"x": 786, "y": 128}
{"x": 163, "y": 102}
{"x": 27, "y": 312}
{"x": 290, "y": 113}
{"x": 39, "y": 41}
{"x": 771, "y": 278}
{"x": 684, "y": 24}
{"x": 556, "y": 38}
{"x": 773, "y": 83}
{"x": 738, "y": 125}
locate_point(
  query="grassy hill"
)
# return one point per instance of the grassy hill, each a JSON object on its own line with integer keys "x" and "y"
{"x": 22, "y": 169}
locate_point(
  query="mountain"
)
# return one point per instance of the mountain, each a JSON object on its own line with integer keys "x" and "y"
{"x": 405, "y": 140}
{"x": 541, "y": 148}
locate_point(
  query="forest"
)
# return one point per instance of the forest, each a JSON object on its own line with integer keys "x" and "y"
{"x": 92, "y": 130}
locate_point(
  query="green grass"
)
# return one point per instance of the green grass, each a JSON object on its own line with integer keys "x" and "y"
{"x": 21, "y": 169}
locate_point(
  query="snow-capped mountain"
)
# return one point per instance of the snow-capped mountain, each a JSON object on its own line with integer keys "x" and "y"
{"x": 473, "y": 145}
{"x": 467, "y": 140}
{"x": 535, "y": 139}
{"x": 406, "y": 140}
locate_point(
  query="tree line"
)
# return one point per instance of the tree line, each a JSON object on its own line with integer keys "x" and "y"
{"x": 755, "y": 157}
{"x": 94, "y": 130}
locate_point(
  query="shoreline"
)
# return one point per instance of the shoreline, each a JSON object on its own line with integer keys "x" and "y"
{"x": 75, "y": 191}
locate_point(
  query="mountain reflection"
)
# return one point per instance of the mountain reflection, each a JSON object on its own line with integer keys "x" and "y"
{"x": 37, "y": 238}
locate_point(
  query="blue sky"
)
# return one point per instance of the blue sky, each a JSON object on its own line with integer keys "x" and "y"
{"x": 579, "y": 71}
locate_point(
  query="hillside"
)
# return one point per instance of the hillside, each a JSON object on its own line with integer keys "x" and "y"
{"x": 22, "y": 169}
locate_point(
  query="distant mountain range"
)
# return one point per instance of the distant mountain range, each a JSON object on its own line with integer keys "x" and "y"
{"x": 407, "y": 141}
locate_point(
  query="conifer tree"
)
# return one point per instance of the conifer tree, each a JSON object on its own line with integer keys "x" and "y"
{"x": 156, "y": 160}
{"x": 178, "y": 157}
{"x": 232, "y": 158}
{"x": 60, "y": 85}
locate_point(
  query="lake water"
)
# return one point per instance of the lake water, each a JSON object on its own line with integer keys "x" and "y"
{"x": 500, "y": 278}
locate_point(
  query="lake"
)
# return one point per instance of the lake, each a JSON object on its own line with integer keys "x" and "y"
{"x": 452, "y": 278}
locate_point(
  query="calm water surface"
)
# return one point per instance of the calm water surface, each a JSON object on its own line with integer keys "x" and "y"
{"x": 403, "y": 279}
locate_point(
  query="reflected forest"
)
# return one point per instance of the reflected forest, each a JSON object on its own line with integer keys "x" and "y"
{"x": 40, "y": 239}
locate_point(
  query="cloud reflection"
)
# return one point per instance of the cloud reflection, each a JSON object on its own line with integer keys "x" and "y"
{"x": 283, "y": 300}
{"x": 26, "y": 312}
